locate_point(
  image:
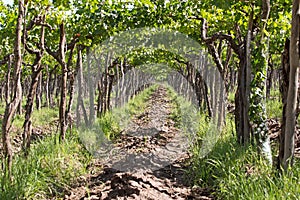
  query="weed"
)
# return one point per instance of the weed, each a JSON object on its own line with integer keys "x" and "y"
{"x": 47, "y": 170}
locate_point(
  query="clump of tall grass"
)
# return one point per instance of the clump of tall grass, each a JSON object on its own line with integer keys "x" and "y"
{"x": 47, "y": 170}
{"x": 238, "y": 172}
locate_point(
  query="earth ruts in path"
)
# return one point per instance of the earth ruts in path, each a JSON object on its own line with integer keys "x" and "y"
{"x": 170, "y": 182}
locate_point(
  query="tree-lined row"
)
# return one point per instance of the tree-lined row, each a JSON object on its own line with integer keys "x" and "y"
{"x": 44, "y": 45}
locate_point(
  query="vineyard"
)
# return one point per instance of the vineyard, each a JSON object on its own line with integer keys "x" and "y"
{"x": 149, "y": 99}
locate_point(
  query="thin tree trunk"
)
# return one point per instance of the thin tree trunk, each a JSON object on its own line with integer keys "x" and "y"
{"x": 11, "y": 107}
{"x": 63, "y": 89}
{"x": 71, "y": 77}
{"x": 269, "y": 79}
{"x": 90, "y": 88}
{"x": 290, "y": 121}
{"x": 47, "y": 87}
{"x": 247, "y": 76}
{"x": 242, "y": 105}
{"x": 52, "y": 86}
{"x": 8, "y": 74}
{"x": 38, "y": 100}
{"x": 122, "y": 93}
{"x": 100, "y": 97}
{"x": 117, "y": 84}
{"x": 284, "y": 82}
{"x": 29, "y": 109}
{"x": 243, "y": 91}
{"x": 110, "y": 84}
{"x": 35, "y": 81}
{"x": 80, "y": 90}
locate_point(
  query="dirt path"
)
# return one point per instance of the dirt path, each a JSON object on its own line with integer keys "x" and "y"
{"x": 138, "y": 175}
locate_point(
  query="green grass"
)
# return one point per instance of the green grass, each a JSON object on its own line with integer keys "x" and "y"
{"x": 237, "y": 172}
{"x": 274, "y": 108}
{"x": 51, "y": 166}
{"x": 231, "y": 170}
{"x": 112, "y": 122}
{"x": 175, "y": 114}
{"x": 231, "y": 96}
{"x": 275, "y": 93}
{"x": 138, "y": 103}
{"x": 184, "y": 113}
{"x": 48, "y": 169}
{"x": 44, "y": 117}
{"x": 274, "y": 104}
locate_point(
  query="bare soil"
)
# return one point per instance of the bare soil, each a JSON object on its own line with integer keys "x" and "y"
{"x": 148, "y": 132}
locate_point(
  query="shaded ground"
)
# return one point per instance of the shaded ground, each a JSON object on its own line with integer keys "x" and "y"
{"x": 150, "y": 133}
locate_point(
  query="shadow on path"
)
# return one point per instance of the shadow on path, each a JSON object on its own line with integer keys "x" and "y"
{"x": 153, "y": 165}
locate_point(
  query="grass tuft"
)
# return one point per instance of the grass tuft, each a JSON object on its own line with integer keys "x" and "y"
{"x": 238, "y": 172}
{"x": 47, "y": 170}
